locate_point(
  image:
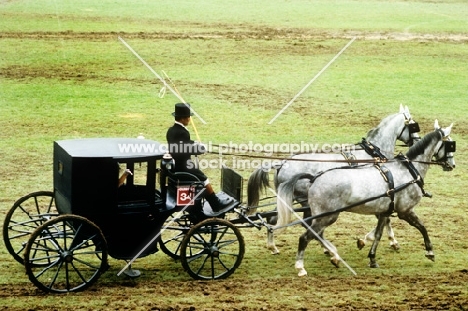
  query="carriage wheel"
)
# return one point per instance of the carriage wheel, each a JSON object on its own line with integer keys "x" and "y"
{"x": 173, "y": 232}
{"x": 212, "y": 249}
{"x": 75, "y": 250}
{"x": 26, "y": 214}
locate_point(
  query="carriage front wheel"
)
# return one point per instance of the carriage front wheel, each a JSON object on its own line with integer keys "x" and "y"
{"x": 26, "y": 214}
{"x": 212, "y": 249}
{"x": 65, "y": 254}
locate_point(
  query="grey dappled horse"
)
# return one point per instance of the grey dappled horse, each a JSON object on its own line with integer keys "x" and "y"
{"x": 398, "y": 126}
{"x": 383, "y": 189}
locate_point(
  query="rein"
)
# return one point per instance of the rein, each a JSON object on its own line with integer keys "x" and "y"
{"x": 357, "y": 147}
{"x": 302, "y": 160}
{"x": 347, "y": 159}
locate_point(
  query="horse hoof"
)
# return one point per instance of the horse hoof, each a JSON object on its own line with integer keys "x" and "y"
{"x": 430, "y": 257}
{"x": 274, "y": 250}
{"x": 360, "y": 243}
{"x": 335, "y": 262}
{"x": 395, "y": 246}
{"x": 302, "y": 272}
{"x": 374, "y": 265}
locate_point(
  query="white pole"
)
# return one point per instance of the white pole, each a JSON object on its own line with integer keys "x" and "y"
{"x": 160, "y": 78}
{"x": 311, "y": 81}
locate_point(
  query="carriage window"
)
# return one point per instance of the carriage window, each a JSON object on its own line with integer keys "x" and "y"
{"x": 140, "y": 172}
{"x": 134, "y": 187}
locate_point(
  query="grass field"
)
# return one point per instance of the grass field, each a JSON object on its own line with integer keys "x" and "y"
{"x": 65, "y": 74}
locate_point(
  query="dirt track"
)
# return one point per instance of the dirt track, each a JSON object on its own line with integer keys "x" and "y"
{"x": 352, "y": 293}
{"x": 243, "y": 33}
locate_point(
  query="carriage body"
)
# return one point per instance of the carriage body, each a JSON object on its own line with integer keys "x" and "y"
{"x": 64, "y": 237}
{"x": 86, "y": 174}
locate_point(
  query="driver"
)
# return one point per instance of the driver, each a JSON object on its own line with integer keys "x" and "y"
{"x": 181, "y": 147}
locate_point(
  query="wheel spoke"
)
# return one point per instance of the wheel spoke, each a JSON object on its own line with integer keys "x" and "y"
{"x": 78, "y": 251}
{"x": 54, "y": 279}
{"x": 27, "y": 214}
{"x": 219, "y": 247}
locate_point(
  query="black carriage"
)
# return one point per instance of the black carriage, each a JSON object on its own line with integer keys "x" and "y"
{"x": 64, "y": 237}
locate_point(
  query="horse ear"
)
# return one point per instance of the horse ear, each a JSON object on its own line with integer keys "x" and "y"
{"x": 447, "y": 130}
{"x": 407, "y": 113}
{"x": 436, "y": 125}
{"x": 402, "y": 110}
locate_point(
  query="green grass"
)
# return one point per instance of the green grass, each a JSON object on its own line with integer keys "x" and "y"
{"x": 64, "y": 74}
{"x": 186, "y": 16}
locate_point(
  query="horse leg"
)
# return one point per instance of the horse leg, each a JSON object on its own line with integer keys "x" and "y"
{"x": 271, "y": 236}
{"x": 391, "y": 236}
{"x": 304, "y": 240}
{"x": 369, "y": 237}
{"x": 271, "y": 243}
{"x": 378, "y": 234}
{"x": 315, "y": 231}
{"x": 414, "y": 221}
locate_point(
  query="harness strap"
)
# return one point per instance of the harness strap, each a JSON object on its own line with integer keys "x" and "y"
{"x": 372, "y": 150}
{"x": 388, "y": 177}
{"x": 413, "y": 171}
{"x": 351, "y": 158}
{"x": 390, "y": 193}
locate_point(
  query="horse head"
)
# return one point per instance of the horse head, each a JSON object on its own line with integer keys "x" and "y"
{"x": 409, "y": 134}
{"x": 445, "y": 148}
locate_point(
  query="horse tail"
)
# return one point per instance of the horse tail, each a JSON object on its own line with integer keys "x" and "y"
{"x": 285, "y": 197}
{"x": 256, "y": 185}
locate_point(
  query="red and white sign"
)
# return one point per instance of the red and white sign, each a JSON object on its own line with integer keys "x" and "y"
{"x": 185, "y": 196}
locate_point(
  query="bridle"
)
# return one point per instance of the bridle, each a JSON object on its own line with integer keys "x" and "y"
{"x": 413, "y": 127}
{"x": 447, "y": 148}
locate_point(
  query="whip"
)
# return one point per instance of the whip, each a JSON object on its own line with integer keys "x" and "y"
{"x": 165, "y": 84}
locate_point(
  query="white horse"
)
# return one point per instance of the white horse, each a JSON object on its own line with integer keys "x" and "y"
{"x": 398, "y": 126}
{"x": 396, "y": 186}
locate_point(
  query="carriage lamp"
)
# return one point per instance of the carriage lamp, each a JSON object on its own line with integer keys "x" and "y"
{"x": 167, "y": 162}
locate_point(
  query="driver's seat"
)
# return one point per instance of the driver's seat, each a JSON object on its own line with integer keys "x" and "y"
{"x": 182, "y": 188}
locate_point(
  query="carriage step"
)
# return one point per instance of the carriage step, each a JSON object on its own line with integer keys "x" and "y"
{"x": 132, "y": 273}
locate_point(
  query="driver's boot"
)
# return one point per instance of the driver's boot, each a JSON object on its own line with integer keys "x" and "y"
{"x": 218, "y": 204}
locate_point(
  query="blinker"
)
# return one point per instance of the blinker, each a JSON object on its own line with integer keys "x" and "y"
{"x": 450, "y": 146}
{"x": 413, "y": 127}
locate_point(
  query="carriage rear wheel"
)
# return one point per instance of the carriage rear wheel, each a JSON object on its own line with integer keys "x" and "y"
{"x": 65, "y": 254}
{"x": 212, "y": 249}
{"x": 26, "y": 214}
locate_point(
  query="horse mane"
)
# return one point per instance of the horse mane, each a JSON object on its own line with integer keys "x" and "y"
{"x": 375, "y": 131}
{"x": 421, "y": 145}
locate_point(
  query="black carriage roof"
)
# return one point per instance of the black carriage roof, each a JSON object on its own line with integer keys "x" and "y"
{"x": 116, "y": 148}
